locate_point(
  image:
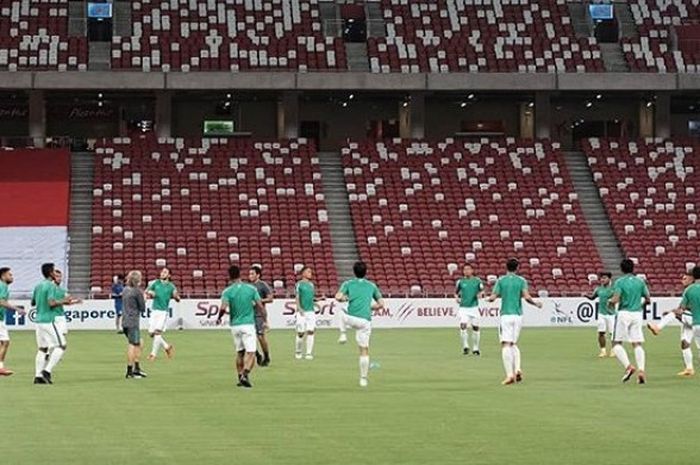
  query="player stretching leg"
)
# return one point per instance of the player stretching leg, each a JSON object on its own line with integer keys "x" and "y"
{"x": 306, "y": 314}
{"x": 241, "y": 300}
{"x": 606, "y": 317}
{"x": 261, "y": 323}
{"x": 467, "y": 292}
{"x": 360, "y": 293}
{"x": 687, "y": 331}
{"x": 691, "y": 303}
{"x": 512, "y": 289}
{"x": 161, "y": 291}
{"x": 6, "y": 279}
{"x": 50, "y": 342}
{"x": 629, "y": 292}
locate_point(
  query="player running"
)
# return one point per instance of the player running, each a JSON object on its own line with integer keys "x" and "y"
{"x": 629, "y": 292}
{"x": 468, "y": 290}
{"x": 512, "y": 289}
{"x": 261, "y": 323}
{"x": 6, "y": 279}
{"x": 685, "y": 317}
{"x": 50, "y": 341}
{"x": 161, "y": 291}
{"x": 241, "y": 301}
{"x": 606, "y": 315}
{"x": 61, "y": 295}
{"x": 306, "y": 314}
{"x": 360, "y": 293}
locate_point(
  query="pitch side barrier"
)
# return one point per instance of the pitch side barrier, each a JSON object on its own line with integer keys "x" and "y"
{"x": 399, "y": 313}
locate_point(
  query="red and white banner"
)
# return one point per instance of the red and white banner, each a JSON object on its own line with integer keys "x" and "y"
{"x": 35, "y": 193}
{"x": 400, "y": 313}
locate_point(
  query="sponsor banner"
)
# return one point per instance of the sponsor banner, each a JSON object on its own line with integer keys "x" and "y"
{"x": 400, "y": 313}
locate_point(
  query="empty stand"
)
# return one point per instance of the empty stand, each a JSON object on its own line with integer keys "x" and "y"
{"x": 201, "y": 35}
{"x": 199, "y": 205}
{"x": 34, "y": 35}
{"x": 649, "y": 191}
{"x": 657, "y": 22}
{"x": 499, "y": 36}
{"x": 420, "y": 210}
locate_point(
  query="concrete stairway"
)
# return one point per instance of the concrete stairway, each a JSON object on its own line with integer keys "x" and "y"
{"x": 375, "y": 20}
{"x": 613, "y": 59}
{"x": 121, "y": 25}
{"x": 357, "y": 56}
{"x": 594, "y": 212}
{"x": 77, "y": 19}
{"x": 100, "y": 57}
{"x": 342, "y": 233}
{"x": 80, "y": 227}
{"x": 628, "y": 27}
{"x": 579, "y": 19}
{"x": 330, "y": 19}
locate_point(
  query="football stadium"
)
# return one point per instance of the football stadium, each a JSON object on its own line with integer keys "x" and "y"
{"x": 342, "y": 232}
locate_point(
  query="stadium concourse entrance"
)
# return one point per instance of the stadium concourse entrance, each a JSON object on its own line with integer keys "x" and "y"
{"x": 330, "y": 118}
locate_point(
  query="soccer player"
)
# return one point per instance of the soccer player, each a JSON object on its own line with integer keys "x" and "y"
{"x": 360, "y": 293}
{"x": 629, "y": 292}
{"x": 687, "y": 331}
{"x": 241, "y": 301}
{"x": 512, "y": 289}
{"x": 467, "y": 292}
{"x": 161, "y": 291}
{"x": 261, "y": 324}
{"x": 61, "y": 295}
{"x": 134, "y": 307}
{"x": 117, "y": 289}
{"x": 606, "y": 316}
{"x": 51, "y": 343}
{"x": 691, "y": 302}
{"x": 6, "y": 279}
{"x": 306, "y": 313}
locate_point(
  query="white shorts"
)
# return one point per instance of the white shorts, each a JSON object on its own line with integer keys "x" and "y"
{"x": 509, "y": 328}
{"x": 469, "y": 316}
{"x": 244, "y": 338}
{"x": 158, "y": 321}
{"x": 61, "y": 324}
{"x": 362, "y": 327}
{"x": 628, "y": 327}
{"x": 4, "y": 333}
{"x": 306, "y": 322}
{"x": 687, "y": 328}
{"x": 48, "y": 336}
{"x": 606, "y": 323}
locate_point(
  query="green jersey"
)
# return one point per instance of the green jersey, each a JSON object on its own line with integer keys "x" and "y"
{"x": 603, "y": 293}
{"x": 360, "y": 293}
{"x": 631, "y": 290}
{"x": 58, "y": 294}
{"x": 163, "y": 291}
{"x": 241, "y": 299}
{"x": 468, "y": 291}
{"x": 510, "y": 289}
{"x": 306, "y": 294}
{"x": 4, "y": 295}
{"x": 691, "y": 301}
{"x": 40, "y": 297}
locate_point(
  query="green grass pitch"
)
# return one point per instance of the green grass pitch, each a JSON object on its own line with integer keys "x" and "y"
{"x": 426, "y": 404}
